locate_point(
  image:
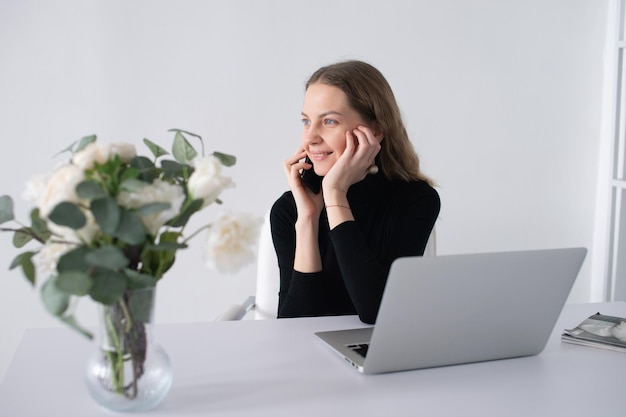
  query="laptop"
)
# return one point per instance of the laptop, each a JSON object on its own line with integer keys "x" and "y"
{"x": 457, "y": 309}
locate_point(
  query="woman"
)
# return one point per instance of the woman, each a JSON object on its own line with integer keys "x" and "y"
{"x": 335, "y": 248}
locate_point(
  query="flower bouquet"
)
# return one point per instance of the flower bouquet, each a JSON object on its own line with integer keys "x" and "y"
{"x": 108, "y": 224}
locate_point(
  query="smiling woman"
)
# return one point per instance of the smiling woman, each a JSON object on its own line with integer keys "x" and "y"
{"x": 335, "y": 247}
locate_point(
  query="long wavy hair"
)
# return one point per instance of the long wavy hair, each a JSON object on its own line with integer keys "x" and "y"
{"x": 370, "y": 95}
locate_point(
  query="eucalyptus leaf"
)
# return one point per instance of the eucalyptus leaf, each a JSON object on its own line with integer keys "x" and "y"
{"x": 173, "y": 169}
{"x": 6, "y": 209}
{"x": 146, "y": 169}
{"x": 156, "y": 150}
{"x": 152, "y": 208}
{"x": 132, "y": 185}
{"x": 226, "y": 159}
{"x": 74, "y": 282}
{"x": 82, "y": 143}
{"x": 137, "y": 280}
{"x": 79, "y": 145}
{"x": 186, "y": 132}
{"x": 108, "y": 286}
{"x": 189, "y": 210}
{"x": 182, "y": 150}
{"x": 130, "y": 229}
{"x": 108, "y": 257}
{"x": 140, "y": 304}
{"x": 90, "y": 190}
{"x": 107, "y": 214}
{"x": 25, "y": 261}
{"x": 74, "y": 260}
{"x": 55, "y": 300}
{"x": 73, "y": 323}
{"x": 69, "y": 215}
{"x": 39, "y": 226}
{"x": 22, "y": 236}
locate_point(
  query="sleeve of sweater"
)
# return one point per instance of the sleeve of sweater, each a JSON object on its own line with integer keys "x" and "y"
{"x": 365, "y": 257}
{"x": 300, "y": 293}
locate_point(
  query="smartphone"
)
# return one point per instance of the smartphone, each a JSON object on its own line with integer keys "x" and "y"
{"x": 310, "y": 178}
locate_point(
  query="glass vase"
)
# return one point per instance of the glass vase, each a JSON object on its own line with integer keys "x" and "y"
{"x": 129, "y": 371}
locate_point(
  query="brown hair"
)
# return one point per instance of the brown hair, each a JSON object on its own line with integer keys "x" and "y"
{"x": 370, "y": 95}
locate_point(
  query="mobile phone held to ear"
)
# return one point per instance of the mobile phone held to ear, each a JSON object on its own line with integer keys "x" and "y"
{"x": 310, "y": 178}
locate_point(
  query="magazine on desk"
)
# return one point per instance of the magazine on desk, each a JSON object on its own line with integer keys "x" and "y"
{"x": 598, "y": 330}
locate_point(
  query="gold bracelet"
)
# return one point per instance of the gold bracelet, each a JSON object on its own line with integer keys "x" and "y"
{"x": 338, "y": 205}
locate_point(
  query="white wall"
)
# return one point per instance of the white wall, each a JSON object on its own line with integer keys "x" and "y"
{"x": 502, "y": 100}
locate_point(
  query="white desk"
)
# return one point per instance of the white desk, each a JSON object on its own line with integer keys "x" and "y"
{"x": 279, "y": 368}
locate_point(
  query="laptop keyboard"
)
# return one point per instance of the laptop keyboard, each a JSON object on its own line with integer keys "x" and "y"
{"x": 360, "y": 348}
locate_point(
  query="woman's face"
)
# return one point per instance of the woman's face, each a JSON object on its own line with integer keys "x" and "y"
{"x": 326, "y": 116}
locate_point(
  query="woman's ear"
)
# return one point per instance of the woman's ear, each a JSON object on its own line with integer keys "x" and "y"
{"x": 377, "y": 130}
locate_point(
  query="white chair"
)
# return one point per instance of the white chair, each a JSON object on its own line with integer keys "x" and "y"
{"x": 265, "y": 302}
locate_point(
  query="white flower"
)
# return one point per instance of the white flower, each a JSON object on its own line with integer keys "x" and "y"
{"x": 207, "y": 181}
{"x": 35, "y": 188}
{"x": 48, "y": 257}
{"x": 157, "y": 192}
{"x": 231, "y": 241}
{"x": 60, "y": 187}
{"x": 94, "y": 152}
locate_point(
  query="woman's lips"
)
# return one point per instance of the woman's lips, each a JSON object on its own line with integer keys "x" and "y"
{"x": 319, "y": 156}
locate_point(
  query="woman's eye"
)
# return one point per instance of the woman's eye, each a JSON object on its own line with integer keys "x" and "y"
{"x": 330, "y": 122}
{"x": 306, "y": 122}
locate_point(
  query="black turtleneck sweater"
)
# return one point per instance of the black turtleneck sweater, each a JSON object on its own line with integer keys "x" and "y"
{"x": 392, "y": 219}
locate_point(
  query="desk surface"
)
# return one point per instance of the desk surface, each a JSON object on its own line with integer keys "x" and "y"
{"x": 279, "y": 368}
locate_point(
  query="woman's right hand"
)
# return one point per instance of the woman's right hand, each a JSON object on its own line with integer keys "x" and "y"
{"x": 308, "y": 203}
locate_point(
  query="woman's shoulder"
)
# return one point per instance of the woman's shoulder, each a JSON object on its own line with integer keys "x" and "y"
{"x": 284, "y": 207}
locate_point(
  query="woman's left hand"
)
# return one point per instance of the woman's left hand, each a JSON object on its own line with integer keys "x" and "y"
{"x": 353, "y": 165}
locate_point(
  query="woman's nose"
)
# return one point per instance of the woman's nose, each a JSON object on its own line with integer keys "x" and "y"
{"x": 310, "y": 135}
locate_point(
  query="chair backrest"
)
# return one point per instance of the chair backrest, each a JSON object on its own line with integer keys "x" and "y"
{"x": 268, "y": 274}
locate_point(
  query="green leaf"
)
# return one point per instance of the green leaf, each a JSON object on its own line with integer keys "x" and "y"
{"x": 74, "y": 282}
{"x": 138, "y": 280}
{"x": 21, "y": 237}
{"x": 146, "y": 169}
{"x": 39, "y": 226}
{"x": 156, "y": 150}
{"x": 108, "y": 257}
{"x": 189, "y": 210}
{"x": 140, "y": 304}
{"x": 186, "y": 132}
{"x": 69, "y": 215}
{"x": 130, "y": 229}
{"x": 25, "y": 261}
{"x": 71, "y": 321}
{"x": 182, "y": 150}
{"x": 152, "y": 208}
{"x": 83, "y": 142}
{"x": 55, "y": 300}
{"x": 226, "y": 159}
{"x": 74, "y": 260}
{"x": 90, "y": 190}
{"x": 6, "y": 209}
{"x": 108, "y": 286}
{"x": 107, "y": 214}
{"x": 172, "y": 169}
{"x": 79, "y": 145}
{"x": 132, "y": 184}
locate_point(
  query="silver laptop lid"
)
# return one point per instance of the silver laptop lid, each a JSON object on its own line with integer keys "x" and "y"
{"x": 454, "y": 309}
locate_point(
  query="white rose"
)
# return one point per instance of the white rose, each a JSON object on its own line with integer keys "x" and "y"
{"x": 61, "y": 186}
{"x": 157, "y": 192}
{"x": 47, "y": 258}
{"x": 207, "y": 181}
{"x": 231, "y": 241}
{"x": 96, "y": 153}
{"x": 34, "y": 189}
